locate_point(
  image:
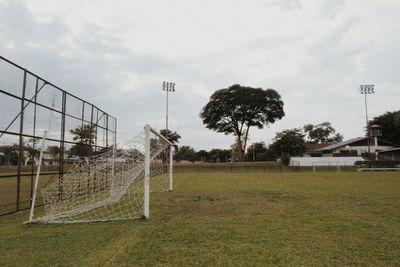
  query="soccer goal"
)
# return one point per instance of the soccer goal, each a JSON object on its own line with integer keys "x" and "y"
{"x": 115, "y": 185}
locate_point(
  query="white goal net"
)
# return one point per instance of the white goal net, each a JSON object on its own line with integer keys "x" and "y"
{"x": 112, "y": 186}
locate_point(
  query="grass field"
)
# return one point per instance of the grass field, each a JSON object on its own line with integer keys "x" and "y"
{"x": 231, "y": 219}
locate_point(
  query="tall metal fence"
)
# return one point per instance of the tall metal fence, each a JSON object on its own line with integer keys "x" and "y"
{"x": 29, "y": 106}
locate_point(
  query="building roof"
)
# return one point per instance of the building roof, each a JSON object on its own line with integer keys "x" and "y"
{"x": 315, "y": 147}
{"x": 351, "y": 141}
{"x": 344, "y": 143}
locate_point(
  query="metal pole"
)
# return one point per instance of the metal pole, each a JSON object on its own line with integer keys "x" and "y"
{"x": 367, "y": 89}
{"x": 366, "y": 120}
{"x": 37, "y": 176}
{"x": 115, "y": 131}
{"x": 166, "y": 116}
{"x": 146, "y": 203}
{"x": 21, "y": 142}
{"x": 62, "y": 145}
{"x": 167, "y": 87}
{"x": 171, "y": 165}
{"x": 34, "y": 134}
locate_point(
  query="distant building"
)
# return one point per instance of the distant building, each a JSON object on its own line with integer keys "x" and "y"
{"x": 312, "y": 149}
{"x": 345, "y": 153}
{"x": 353, "y": 148}
{"x": 48, "y": 159}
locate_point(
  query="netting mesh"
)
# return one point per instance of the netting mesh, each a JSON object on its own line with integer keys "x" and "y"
{"x": 109, "y": 186}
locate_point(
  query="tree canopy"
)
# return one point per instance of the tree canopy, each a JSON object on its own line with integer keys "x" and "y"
{"x": 202, "y": 155}
{"x": 258, "y": 152}
{"x": 219, "y": 155}
{"x": 173, "y": 137}
{"x": 9, "y": 155}
{"x": 390, "y": 122}
{"x": 185, "y": 153}
{"x": 288, "y": 142}
{"x": 321, "y": 133}
{"x": 235, "y": 109}
{"x": 54, "y": 150}
{"x": 84, "y": 137}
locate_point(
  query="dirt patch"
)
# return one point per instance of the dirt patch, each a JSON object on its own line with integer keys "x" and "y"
{"x": 179, "y": 199}
{"x": 275, "y": 196}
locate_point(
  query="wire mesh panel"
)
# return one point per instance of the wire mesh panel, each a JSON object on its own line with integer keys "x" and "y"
{"x": 29, "y": 106}
{"x": 109, "y": 186}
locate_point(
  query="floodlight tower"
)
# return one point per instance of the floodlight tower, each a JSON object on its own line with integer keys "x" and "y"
{"x": 365, "y": 90}
{"x": 376, "y": 131}
{"x": 168, "y": 87}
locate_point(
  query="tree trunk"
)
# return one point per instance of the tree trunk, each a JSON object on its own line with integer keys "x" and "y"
{"x": 245, "y": 140}
{"x": 239, "y": 143}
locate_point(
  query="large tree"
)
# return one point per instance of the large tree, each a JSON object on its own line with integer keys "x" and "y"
{"x": 322, "y": 133}
{"x": 390, "y": 122}
{"x": 235, "y": 109}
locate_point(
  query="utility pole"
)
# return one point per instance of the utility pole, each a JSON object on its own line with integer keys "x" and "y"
{"x": 167, "y": 87}
{"x": 366, "y": 90}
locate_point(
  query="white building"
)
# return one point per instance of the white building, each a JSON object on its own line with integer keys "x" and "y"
{"x": 345, "y": 153}
{"x": 354, "y": 147}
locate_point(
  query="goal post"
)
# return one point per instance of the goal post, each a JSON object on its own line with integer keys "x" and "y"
{"x": 115, "y": 185}
{"x": 171, "y": 166}
{"x": 146, "y": 204}
{"x": 147, "y": 165}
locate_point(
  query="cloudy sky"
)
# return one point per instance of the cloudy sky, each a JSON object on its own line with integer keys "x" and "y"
{"x": 115, "y": 54}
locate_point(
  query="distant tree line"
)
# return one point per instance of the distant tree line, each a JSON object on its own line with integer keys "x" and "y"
{"x": 287, "y": 143}
{"x": 213, "y": 156}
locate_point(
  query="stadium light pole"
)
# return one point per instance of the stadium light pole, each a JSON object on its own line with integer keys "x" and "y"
{"x": 365, "y": 90}
{"x": 167, "y": 87}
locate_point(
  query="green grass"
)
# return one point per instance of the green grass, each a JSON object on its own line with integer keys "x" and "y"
{"x": 8, "y": 188}
{"x": 253, "y": 219}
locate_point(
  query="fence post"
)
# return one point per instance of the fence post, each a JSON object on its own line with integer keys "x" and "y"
{"x": 62, "y": 144}
{"x": 21, "y": 142}
{"x": 171, "y": 165}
